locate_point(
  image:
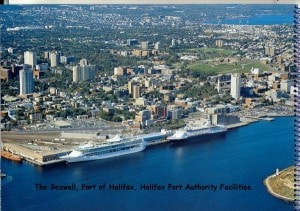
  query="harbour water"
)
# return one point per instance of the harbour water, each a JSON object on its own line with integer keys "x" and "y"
{"x": 257, "y": 20}
{"x": 260, "y": 15}
{"x": 241, "y": 160}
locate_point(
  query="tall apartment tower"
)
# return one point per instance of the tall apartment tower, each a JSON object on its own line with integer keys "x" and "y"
{"x": 30, "y": 58}
{"x": 130, "y": 86}
{"x": 92, "y": 72}
{"x": 218, "y": 85}
{"x": 83, "y": 73}
{"x": 46, "y": 54}
{"x": 83, "y": 62}
{"x": 219, "y": 43}
{"x": 54, "y": 59}
{"x": 76, "y": 74}
{"x": 136, "y": 92}
{"x": 235, "y": 87}
{"x": 157, "y": 46}
{"x": 26, "y": 80}
{"x": 270, "y": 50}
{"x": 145, "y": 45}
{"x": 173, "y": 44}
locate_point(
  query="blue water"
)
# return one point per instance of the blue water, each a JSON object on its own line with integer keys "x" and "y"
{"x": 245, "y": 156}
{"x": 257, "y": 20}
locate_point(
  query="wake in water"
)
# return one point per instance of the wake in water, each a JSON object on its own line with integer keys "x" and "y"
{"x": 5, "y": 180}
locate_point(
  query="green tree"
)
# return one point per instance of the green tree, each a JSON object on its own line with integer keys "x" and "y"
{"x": 116, "y": 119}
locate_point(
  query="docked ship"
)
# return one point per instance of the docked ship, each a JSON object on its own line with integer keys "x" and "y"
{"x": 10, "y": 156}
{"x": 113, "y": 147}
{"x": 197, "y": 133}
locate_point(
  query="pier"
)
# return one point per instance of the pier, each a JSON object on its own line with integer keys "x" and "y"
{"x": 40, "y": 155}
{"x": 49, "y": 149}
{"x": 269, "y": 119}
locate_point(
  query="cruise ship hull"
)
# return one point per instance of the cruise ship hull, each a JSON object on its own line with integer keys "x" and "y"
{"x": 84, "y": 157}
{"x": 196, "y": 138}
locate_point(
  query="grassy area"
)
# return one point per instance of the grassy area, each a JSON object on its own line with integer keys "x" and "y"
{"x": 214, "y": 51}
{"x": 283, "y": 184}
{"x": 217, "y": 68}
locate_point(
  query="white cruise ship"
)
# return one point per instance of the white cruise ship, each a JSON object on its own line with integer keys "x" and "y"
{"x": 113, "y": 147}
{"x": 196, "y": 133}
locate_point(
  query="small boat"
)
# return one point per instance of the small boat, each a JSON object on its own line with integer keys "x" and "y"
{"x": 10, "y": 156}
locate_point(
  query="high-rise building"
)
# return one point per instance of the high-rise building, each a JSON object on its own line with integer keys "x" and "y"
{"x": 145, "y": 45}
{"x": 63, "y": 59}
{"x": 54, "y": 59}
{"x": 219, "y": 85}
{"x": 47, "y": 54}
{"x": 174, "y": 113}
{"x": 235, "y": 87}
{"x": 30, "y": 58}
{"x": 157, "y": 46}
{"x": 92, "y": 72}
{"x": 142, "y": 116}
{"x": 219, "y": 43}
{"x": 270, "y": 50}
{"x": 88, "y": 72}
{"x": 160, "y": 111}
{"x": 285, "y": 85}
{"x": 76, "y": 74}
{"x": 130, "y": 86}
{"x": 136, "y": 92}
{"x": 83, "y": 62}
{"x": 42, "y": 67}
{"x": 131, "y": 42}
{"x": 26, "y": 80}
{"x": 173, "y": 43}
{"x": 83, "y": 73}
{"x": 120, "y": 71}
{"x": 66, "y": 59}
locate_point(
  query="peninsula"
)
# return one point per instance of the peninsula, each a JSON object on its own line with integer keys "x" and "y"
{"x": 281, "y": 184}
